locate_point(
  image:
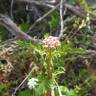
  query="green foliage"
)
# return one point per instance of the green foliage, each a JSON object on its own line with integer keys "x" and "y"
{"x": 37, "y": 49}
{"x": 54, "y": 22}
{"x": 59, "y": 58}
{"x": 24, "y": 26}
{"x": 3, "y": 89}
{"x": 60, "y": 55}
{"x": 87, "y": 6}
{"x": 3, "y": 34}
{"x": 69, "y": 92}
{"x": 72, "y": 1}
{"x": 42, "y": 87}
{"x": 68, "y": 72}
{"x": 25, "y": 93}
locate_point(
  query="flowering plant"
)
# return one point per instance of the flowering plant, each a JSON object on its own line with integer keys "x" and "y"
{"x": 51, "y": 42}
{"x": 32, "y": 83}
{"x": 50, "y": 59}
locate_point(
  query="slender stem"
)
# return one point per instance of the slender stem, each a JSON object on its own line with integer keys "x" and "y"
{"x": 49, "y": 65}
{"x": 49, "y": 71}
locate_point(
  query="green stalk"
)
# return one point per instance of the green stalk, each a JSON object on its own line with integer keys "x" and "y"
{"x": 49, "y": 65}
{"x": 49, "y": 71}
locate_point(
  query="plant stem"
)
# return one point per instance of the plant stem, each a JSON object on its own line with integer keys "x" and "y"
{"x": 49, "y": 70}
{"x": 49, "y": 65}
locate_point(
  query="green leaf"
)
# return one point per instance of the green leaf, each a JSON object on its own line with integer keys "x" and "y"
{"x": 38, "y": 48}
{"x": 43, "y": 86}
{"x": 25, "y": 93}
{"x": 24, "y": 26}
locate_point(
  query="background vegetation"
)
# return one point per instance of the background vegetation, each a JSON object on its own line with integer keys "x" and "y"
{"x": 74, "y": 61}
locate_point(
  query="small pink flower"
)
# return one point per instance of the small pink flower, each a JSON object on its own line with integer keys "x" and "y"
{"x": 51, "y": 42}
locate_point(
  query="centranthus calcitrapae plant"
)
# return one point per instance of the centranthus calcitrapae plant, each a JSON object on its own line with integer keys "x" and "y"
{"x": 44, "y": 84}
{"x": 50, "y": 44}
{"x": 48, "y": 59}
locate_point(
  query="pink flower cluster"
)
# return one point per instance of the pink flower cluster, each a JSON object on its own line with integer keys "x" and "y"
{"x": 51, "y": 42}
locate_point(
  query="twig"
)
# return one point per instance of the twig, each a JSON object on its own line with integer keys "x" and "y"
{"x": 11, "y": 13}
{"x": 9, "y": 42}
{"x": 40, "y": 2}
{"x": 61, "y": 19}
{"x": 78, "y": 12}
{"x": 14, "y": 30}
{"x": 59, "y": 91}
{"x": 24, "y": 81}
